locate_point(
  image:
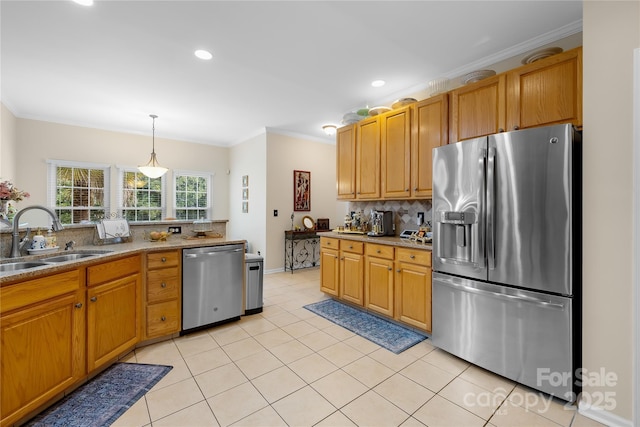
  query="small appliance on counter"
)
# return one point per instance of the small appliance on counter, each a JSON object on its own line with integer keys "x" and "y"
{"x": 381, "y": 224}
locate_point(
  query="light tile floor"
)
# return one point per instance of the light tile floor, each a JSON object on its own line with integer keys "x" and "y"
{"x": 289, "y": 367}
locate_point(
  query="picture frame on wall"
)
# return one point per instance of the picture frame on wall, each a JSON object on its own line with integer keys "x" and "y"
{"x": 245, "y": 207}
{"x": 245, "y": 180}
{"x": 301, "y": 191}
{"x": 245, "y": 194}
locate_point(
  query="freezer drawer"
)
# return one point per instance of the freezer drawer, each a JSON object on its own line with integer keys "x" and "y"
{"x": 522, "y": 335}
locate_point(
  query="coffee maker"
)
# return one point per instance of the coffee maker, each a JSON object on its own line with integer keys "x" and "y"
{"x": 381, "y": 223}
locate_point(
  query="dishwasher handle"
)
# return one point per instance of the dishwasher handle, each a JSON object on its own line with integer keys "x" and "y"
{"x": 212, "y": 253}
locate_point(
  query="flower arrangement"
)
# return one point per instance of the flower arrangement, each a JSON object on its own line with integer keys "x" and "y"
{"x": 10, "y": 192}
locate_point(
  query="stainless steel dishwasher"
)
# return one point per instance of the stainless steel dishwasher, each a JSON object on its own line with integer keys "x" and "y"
{"x": 212, "y": 282}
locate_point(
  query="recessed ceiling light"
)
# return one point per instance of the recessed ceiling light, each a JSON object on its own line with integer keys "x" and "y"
{"x": 377, "y": 83}
{"x": 203, "y": 54}
{"x": 84, "y": 2}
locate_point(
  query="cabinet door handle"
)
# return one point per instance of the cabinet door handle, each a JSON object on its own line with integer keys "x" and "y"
{"x": 378, "y": 251}
{"x": 163, "y": 285}
{"x": 342, "y": 259}
{"x": 412, "y": 256}
{"x": 500, "y": 130}
{"x": 399, "y": 271}
{"x": 415, "y": 189}
{"x": 163, "y": 318}
{"x": 516, "y": 127}
{"x": 164, "y": 259}
{"x": 94, "y": 299}
{"x": 389, "y": 268}
{"x": 79, "y": 305}
{"x": 406, "y": 189}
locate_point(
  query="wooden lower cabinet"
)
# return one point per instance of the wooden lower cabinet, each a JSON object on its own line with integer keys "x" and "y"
{"x": 162, "y": 296}
{"x": 394, "y": 281}
{"x": 413, "y": 287}
{"x": 42, "y": 348}
{"x": 330, "y": 266}
{"x": 352, "y": 272}
{"x": 113, "y": 309}
{"x": 379, "y": 285}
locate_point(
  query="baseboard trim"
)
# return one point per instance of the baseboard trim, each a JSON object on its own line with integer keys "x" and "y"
{"x": 602, "y": 416}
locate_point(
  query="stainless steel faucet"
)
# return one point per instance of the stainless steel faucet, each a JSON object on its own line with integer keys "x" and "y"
{"x": 15, "y": 237}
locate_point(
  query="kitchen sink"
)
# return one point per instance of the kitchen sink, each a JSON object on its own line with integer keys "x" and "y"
{"x": 71, "y": 257}
{"x": 24, "y": 265}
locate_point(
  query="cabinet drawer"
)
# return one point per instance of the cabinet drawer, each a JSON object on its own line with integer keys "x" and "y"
{"x": 162, "y": 259}
{"x": 328, "y": 242}
{"x": 351, "y": 246}
{"x": 162, "y": 285}
{"x": 163, "y": 318}
{"x": 414, "y": 256}
{"x": 380, "y": 251}
{"x": 112, "y": 270}
{"x": 36, "y": 290}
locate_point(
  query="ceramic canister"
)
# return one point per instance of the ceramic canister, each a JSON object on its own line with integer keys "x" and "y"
{"x": 38, "y": 242}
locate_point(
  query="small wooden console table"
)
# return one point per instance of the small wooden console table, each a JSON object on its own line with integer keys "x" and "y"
{"x": 301, "y": 249}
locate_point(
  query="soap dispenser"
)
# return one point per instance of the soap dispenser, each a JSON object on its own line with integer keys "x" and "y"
{"x": 51, "y": 239}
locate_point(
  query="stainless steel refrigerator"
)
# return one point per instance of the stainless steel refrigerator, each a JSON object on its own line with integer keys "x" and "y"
{"x": 507, "y": 255}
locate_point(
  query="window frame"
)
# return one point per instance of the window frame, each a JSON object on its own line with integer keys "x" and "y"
{"x": 120, "y": 195}
{"x": 199, "y": 174}
{"x": 52, "y": 183}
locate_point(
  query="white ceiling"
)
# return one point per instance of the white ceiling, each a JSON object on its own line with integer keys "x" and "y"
{"x": 288, "y": 66}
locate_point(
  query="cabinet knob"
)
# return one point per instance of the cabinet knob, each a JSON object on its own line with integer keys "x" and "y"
{"x": 389, "y": 268}
{"x": 350, "y": 246}
{"x": 406, "y": 189}
{"x": 163, "y": 285}
{"x": 516, "y": 127}
{"x": 342, "y": 259}
{"x": 378, "y": 251}
{"x": 163, "y": 318}
{"x": 164, "y": 259}
{"x": 79, "y": 305}
{"x": 412, "y": 256}
{"x": 500, "y": 130}
{"x": 399, "y": 271}
{"x": 94, "y": 299}
{"x": 415, "y": 189}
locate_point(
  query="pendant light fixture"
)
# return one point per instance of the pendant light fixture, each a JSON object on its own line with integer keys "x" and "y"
{"x": 153, "y": 168}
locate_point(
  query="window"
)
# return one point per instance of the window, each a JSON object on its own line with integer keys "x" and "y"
{"x": 192, "y": 195}
{"x": 78, "y": 192}
{"x": 140, "y": 198}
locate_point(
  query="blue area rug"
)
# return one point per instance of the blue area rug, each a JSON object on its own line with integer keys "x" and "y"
{"x": 386, "y": 334}
{"x": 105, "y": 398}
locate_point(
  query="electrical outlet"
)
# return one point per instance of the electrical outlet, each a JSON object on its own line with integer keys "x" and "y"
{"x": 420, "y": 219}
{"x": 175, "y": 230}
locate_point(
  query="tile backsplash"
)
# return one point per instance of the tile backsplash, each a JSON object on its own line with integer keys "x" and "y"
{"x": 405, "y": 211}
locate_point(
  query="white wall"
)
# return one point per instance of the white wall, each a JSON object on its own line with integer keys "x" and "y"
{"x": 248, "y": 158}
{"x": 39, "y": 141}
{"x": 284, "y": 155}
{"x": 611, "y": 32}
{"x": 7, "y": 144}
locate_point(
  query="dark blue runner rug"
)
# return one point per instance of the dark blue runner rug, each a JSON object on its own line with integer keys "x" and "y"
{"x": 105, "y": 398}
{"x": 386, "y": 334}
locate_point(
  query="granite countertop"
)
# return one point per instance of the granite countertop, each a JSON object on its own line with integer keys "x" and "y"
{"x": 382, "y": 240}
{"x": 106, "y": 253}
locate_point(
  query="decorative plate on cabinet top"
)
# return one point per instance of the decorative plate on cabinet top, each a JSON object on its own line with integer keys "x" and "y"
{"x": 351, "y": 118}
{"x": 378, "y": 110}
{"x": 403, "y": 102}
{"x": 476, "y": 76}
{"x": 541, "y": 54}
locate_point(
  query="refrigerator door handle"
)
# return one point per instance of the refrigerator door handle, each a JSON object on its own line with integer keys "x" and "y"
{"x": 517, "y": 298}
{"x": 491, "y": 226}
{"x": 479, "y": 250}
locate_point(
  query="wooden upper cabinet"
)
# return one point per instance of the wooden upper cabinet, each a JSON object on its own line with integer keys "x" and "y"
{"x": 478, "y": 109}
{"x": 346, "y": 162}
{"x": 430, "y": 130}
{"x": 546, "y": 92}
{"x": 368, "y": 159}
{"x": 396, "y": 154}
